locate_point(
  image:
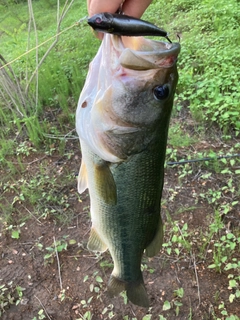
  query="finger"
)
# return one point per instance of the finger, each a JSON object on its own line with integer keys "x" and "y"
{"x": 135, "y": 8}
{"x": 97, "y": 6}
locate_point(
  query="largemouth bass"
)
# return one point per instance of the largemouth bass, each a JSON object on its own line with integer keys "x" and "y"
{"x": 122, "y": 120}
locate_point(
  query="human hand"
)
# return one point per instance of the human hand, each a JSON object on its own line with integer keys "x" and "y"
{"x": 134, "y": 8}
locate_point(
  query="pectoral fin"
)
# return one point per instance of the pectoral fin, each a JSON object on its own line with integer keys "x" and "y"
{"x": 95, "y": 243}
{"x": 105, "y": 184}
{"x": 82, "y": 178}
{"x": 154, "y": 247}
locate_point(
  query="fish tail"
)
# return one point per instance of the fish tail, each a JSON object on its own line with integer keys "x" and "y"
{"x": 136, "y": 291}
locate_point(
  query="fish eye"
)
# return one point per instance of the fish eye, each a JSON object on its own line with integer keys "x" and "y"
{"x": 161, "y": 92}
{"x": 98, "y": 20}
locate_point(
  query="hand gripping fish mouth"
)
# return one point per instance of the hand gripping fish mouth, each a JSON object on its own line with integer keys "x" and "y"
{"x": 122, "y": 121}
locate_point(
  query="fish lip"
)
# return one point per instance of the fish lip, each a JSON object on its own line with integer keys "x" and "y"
{"x": 159, "y": 54}
{"x": 161, "y": 48}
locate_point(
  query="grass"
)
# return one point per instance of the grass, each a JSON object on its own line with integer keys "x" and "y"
{"x": 39, "y": 124}
{"x": 60, "y": 94}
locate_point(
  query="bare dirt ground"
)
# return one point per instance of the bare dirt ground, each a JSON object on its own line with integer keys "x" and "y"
{"x": 77, "y": 284}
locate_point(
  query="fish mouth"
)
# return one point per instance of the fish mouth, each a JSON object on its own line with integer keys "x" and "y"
{"x": 139, "y": 53}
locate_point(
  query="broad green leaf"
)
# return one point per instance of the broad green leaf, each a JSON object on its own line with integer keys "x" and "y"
{"x": 166, "y": 305}
{"x": 15, "y": 234}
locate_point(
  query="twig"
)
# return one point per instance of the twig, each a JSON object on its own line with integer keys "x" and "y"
{"x": 43, "y": 307}
{"x": 32, "y": 19}
{"x": 10, "y": 86}
{"x": 132, "y": 310}
{"x": 58, "y": 262}
{"x": 61, "y": 137}
{"x": 31, "y": 162}
{"x": 195, "y": 269}
{"x": 59, "y": 21}
{"x": 32, "y": 215}
{"x": 36, "y": 160}
{"x": 93, "y": 264}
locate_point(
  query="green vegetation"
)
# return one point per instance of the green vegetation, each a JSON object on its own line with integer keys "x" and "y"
{"x": 209, "y": 73}
{"x": 40, "y": 90}
{"x": 9, "y": 294}
{"x": 38, "y": 97}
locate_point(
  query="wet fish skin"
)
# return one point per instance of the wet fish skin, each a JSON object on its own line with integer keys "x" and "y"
{"x": 122, "y": 122}
{"x": 124, "y": 25}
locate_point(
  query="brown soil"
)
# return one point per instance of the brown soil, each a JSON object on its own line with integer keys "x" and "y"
{"x": 22, "y": 260}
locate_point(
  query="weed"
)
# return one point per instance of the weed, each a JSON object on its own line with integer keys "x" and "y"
{"x": 234, "y": 285}
{"x": 40, "y": 315}
{"x": 179, "y": 138}
{"x": 166, "y": 305}
{"x": 224, "y": 312}
{"x": 15, "y": 231}
{"x": 84, "y": 308}
{"x": 9, "y": 294}
{"x": 145, "y": 267}
{"x": 223, "y": 250}
{"x": 60, "y": 245}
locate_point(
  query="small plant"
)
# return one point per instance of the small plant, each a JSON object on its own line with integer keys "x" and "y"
{"x": 123, "y": 294}
{"x": 223, "y": 250}
{"x": 25, "y": 148}
{"x": 40, "y": 315}
{"x": 96, "y": 285}
{"x": 234, "y": 285}
{"x": 166, "y": 305}
{"x": 9, "y": 294}
{"x": 178, "y": 293}
{"x": 178, "y": 239}
{"x": 225, "y": 313}
{"x": 109, "y": 311}
{"x": 14, "y": 230}
{"x": 175, "y": 303}
{"x": 6, "y": 297}
{"x": 145, "y": 267}
{"x": 60, "y": 245}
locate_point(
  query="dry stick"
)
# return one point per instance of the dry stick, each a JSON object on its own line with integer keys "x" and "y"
{"x": 41, "y": 44}
{"x": 10, "y": 88}
{"x": 195, "y": 269}
{"x": 196, "y": 275}
{"x": 32, "y": 18}
{"x": 58, "y": 262}
{"x": 15, "y": 82}
{"x": 36, "y": 160}
{"x": 52, "y": 45}
{"x": 43, "y": 307}
{"x": 99, "y": 259}
{"x": 132, "y": 310}
{"x": 29, "y": 163}
{"x": 32, "y": 215}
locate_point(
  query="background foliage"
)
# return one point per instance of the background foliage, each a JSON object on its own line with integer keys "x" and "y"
{"x": 208, "y": 64}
